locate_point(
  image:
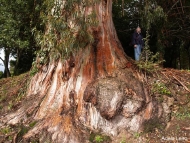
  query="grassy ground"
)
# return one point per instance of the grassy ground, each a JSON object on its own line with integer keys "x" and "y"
{"x": 12, "y": 93}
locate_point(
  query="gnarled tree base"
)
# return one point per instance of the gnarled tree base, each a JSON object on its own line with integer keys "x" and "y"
{"x": 109, "y": 105}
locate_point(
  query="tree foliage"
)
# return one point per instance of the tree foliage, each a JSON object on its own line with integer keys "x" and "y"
{"x": 16, "y": 39}
{"x": 67, "y": 30}
{"x": 168, "y": 28}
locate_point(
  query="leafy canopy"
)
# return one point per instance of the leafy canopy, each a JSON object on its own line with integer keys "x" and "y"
{"x": 67, "y": 28}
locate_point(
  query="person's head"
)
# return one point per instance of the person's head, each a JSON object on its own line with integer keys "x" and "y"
{"x": 138, "y": 29}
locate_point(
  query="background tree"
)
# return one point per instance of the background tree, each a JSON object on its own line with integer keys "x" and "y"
{"x": 169, "y": 38}
{"x": 8, "y": 32}
{"x": 18, "y": 18}
{"x": 176, "y": 33}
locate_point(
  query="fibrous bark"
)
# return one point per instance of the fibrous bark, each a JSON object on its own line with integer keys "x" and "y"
{"x": 97, "y": 90}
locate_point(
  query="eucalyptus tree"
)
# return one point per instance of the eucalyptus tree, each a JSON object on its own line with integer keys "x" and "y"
{"x": 83, "y": 81}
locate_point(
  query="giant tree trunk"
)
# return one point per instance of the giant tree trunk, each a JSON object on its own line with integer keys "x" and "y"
{"x": 97, "y": 90}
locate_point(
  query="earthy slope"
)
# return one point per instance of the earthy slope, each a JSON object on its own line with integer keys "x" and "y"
{"x": 12, "y": 93}
{"x": 170, "y": 87}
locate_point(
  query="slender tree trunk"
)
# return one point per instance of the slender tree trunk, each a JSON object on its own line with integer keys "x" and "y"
{"x": 122, "y": 7}
{"x": 97, "y": 90}
{"x": 16, "y": 70}
{"x": 189, "y": 56}
{"x": 6, "y": 62}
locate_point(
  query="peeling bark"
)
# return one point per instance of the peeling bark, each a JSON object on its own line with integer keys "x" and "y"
{"x": 91, "y": 92}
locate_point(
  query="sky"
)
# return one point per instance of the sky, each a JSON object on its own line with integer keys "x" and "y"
{"x": 1, "y": 62}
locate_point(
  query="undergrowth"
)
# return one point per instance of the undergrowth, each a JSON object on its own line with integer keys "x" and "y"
{"x": 12, "y": 91}
{"x": 99, "y": 138}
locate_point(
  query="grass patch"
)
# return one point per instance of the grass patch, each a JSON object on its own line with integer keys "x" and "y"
{"x": 136, "y": 135}
{"x": 123, "y": 141}
{"x": 2, "y": 98}
{"x": 160, "y": 88}
{"x": 32, "y": 124}
{"x": 5, "y": 130}
{"x": 10, "y": 106}
{"x": 12, "y": 91}
{"x": 99, "y": 138}
{"x": 182, "y": 115}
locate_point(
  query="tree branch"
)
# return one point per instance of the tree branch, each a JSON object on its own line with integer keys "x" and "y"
{"x": 173, "y": 6}
{"x": 181, "y": 6}
{"x": 181, "y": 83}
{"x": 1, "y": 59}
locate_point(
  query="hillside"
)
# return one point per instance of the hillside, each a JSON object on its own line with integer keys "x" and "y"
{"x": 12, "y": 95}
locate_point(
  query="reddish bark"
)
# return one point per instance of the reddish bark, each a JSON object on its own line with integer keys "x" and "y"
{"x": 97, "y": 90}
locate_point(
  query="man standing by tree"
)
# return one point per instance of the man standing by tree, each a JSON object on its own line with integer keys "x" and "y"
{"x": 137, "y": 41}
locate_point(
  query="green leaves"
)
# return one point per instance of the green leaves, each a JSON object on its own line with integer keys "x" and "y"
{"x": 161, "y": 88}
{"x": 18, "y": 1}
{"x": 13, "y": 27}
{"x": 152, "y": 14}
{"x": 16, "y": 22}
{"x": 66, "y": 28}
